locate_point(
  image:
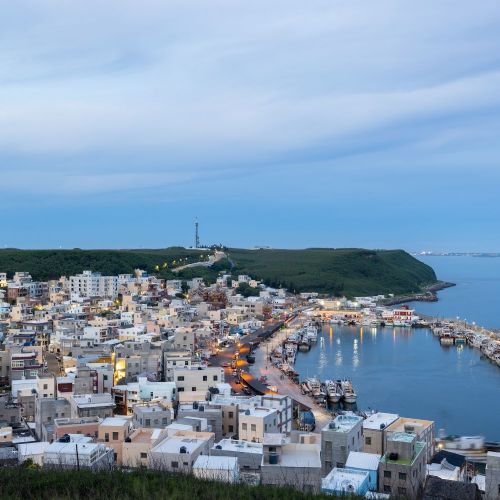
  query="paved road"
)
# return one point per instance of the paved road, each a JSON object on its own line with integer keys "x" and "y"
{"x": 275, "y": 377}
{"x": 248, "y": 343}
{"x": 54, "y": 366}
{"x": 262, "y": 366}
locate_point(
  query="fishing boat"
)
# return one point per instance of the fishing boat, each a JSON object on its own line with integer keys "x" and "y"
{"x": 333, "y": 391}
{"x": 446, "y": 338}
{"x": 304, "y": 344}
{"x": 350, "y": 395}
{"x": 311, "y": 333}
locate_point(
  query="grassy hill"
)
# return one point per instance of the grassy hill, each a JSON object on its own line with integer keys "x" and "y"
{"x": 334, "y": 271}
{"x": 341, "y": 271}
{"x": 23, "y": 483}
{"x": 51, "y": 264}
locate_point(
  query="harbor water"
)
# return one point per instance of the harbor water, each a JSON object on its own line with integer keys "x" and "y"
{"x": 407, "y": 371}
{"x": 476, "y": 298}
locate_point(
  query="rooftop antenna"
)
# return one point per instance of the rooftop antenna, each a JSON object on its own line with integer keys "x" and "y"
{"x": 196, "y": 234}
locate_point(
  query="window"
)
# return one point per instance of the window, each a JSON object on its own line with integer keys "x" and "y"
{"x": 148, "y": 422}
{"x": 402, "y": 491}
{"x": 175, "y": 465}
{"x": 387, "y": 488}
{"x": 45, "y": 386}
{"x": 244, "y": 427}
{"x": 253, "y": 428}
{"x": 106, "y": 437}
{"x": 115, "y": 436}
{"x": 230, "y": 414}
{"x": 144, "y": 455}
{"x": 231, "y": 429}
{"x": 105, "y": 377}
{"x": 164, "y": 421}
{"x": 193, "y": 389}
{"x": 387, "y": 473}
{"x": 340, "y": 465}
{"x": 368, "y": 441}
{"x": 402, "y": 476}
{"x": 215, "y": 378}
{"x": 342, "y": 448}
{"x": 204, "y": 378}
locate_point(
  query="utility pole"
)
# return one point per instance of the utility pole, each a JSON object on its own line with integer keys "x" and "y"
{"x": 196, "y": 234}
{"x": 77, "y": 457}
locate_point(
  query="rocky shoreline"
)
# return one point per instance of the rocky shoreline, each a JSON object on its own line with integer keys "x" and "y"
{"x": 428, "y": 295}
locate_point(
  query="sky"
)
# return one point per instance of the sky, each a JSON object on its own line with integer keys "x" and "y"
{"x": 288, "y": 123}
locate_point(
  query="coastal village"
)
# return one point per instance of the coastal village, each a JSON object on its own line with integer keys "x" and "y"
{"x": 132, "y": 371}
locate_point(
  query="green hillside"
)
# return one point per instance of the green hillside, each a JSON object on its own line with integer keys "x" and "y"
{"x": 51, "y": 264}
{"x": 340, "y": 271}
{"x": 334, "y": 271}
{"x": 23, "y": 483}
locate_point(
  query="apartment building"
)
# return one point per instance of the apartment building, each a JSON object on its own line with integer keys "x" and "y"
{"x": 25, "y": 364}
{"x": 255, "y": 422}
{"x": 85, "y": 426}
{"x": 47, "y": 410}
{"x": 374, "y": 429}
{"x": 173, "y": 360}
{"x": 338, "y": 438}
{"x": 424, "y": 429}
{"x": 152, "y": 416}
{"x": 179, "y": 453}
{"x": 249, "y": 454}
{"x": 198, "y": 377}
{"x": 136, "y": 448}
{"x": 92, "y": 405}
{"x": 402, "y": 468}
{"x": 290, "y": 464}
{"x": 113, "y": 431}
{"x": 89, "y": 284}
{"x": 211, "y": 413}
{"x": 126, "y": 396}
{"x": 78, "y": 455}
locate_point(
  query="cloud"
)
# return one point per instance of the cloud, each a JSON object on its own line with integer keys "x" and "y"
{"x": 93, "y": 92}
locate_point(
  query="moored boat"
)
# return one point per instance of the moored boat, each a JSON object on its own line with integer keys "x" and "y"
{"x": 350, "y": 395}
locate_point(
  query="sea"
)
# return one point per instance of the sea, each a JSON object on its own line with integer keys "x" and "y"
{"x": 407, "y": 371}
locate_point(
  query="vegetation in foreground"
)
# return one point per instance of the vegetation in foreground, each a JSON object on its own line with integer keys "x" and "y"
{"x": 350, "y": 272}
{"x": 25, "y": 483}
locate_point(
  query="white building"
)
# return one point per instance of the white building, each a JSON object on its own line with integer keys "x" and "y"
{"x": 74, "y": 455}
{"x": 179, "y": 453}
{"x": 255, "y": 422}
{"x": 197, "y": 377}
{"x": 89, "y": 284}
{"x": 216, "y": 468}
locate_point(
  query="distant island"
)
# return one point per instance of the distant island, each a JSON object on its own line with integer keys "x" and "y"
{"x": 344, "y": 271}
{"x": 455, "y": 254}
